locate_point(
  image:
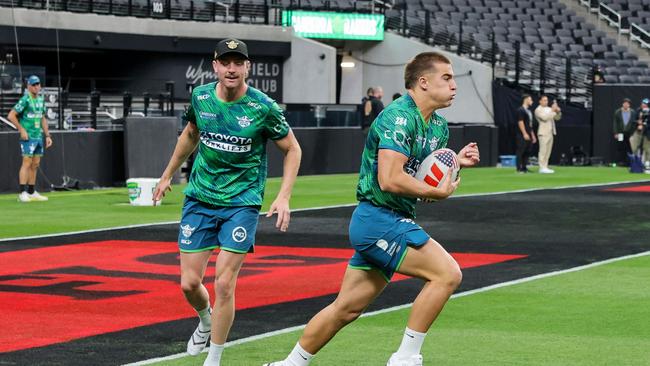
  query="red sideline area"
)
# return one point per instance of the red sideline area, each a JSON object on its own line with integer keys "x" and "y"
{"x": 645, "y": 189}
{"x": 57, "y": 294}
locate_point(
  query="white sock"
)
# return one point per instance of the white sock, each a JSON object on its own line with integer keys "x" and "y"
{"x": 205, "y": 319}
{"x": 214, "y": 355}
{"x": 411, "y": 343}
{"x": 299, "y": 357}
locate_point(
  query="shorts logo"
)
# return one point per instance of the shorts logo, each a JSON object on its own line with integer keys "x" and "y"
{"x": 187, "y": 230}
{"x": 383, "y": 244}
{"x": 239, "y": 234}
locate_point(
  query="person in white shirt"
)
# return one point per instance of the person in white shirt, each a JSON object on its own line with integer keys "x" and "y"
{"x": 546, "y": 116}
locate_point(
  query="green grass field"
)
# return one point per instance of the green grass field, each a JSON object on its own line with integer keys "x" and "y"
{"x": 597, "y": 316}
{"x": 83, "y": 210}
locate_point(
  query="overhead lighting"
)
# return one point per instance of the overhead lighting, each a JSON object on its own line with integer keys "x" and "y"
{"x": 347, "y": 64}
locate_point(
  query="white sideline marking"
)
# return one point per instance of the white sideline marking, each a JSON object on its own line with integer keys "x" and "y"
{"x": 90, "y": 231}
{"x": 322, "y": 208}
{"x": 400, "y": 307}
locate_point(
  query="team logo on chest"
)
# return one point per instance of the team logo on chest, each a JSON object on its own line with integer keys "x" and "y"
{"x": 433, "y": 143}
{"x": 244, "y": 121}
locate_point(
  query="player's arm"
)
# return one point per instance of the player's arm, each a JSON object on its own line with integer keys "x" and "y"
{"x": 186, "y": 144}
{"x": 292, "y": 155}
{"x": 392, "y": 178}
{"x": 13, "y": 118}
{"x": 46, "y": 131}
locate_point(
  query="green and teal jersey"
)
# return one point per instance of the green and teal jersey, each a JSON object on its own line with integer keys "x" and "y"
{"x": 30, "y": 112}
{"x": 230, "y": 166}
{"x": 399, "y": 127}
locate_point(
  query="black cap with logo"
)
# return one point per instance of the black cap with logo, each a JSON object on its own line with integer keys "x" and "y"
{"x": 231, "y": 46}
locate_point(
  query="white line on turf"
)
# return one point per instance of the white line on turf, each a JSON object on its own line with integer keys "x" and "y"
{"x": 400, "y": 307}
{"x": 90, "y": 231}
{"x": 325, "y": 208}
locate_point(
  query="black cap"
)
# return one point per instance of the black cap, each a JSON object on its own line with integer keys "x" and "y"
{"x": 231, "y": 46}
{"x": 627, "y": 100}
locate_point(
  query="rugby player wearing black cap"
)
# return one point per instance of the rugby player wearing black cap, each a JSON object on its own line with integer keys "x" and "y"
{"x": 230, "y": 123}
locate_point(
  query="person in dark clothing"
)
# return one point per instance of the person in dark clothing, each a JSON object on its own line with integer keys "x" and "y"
{"x": 525, "y": 134}
{"x": 624, "y": 126}
{"x": 369, "y": 93}
{"x": 371, "y": 108}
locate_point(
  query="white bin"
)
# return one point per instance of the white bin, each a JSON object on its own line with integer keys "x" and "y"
{"x": 141, "y": 191}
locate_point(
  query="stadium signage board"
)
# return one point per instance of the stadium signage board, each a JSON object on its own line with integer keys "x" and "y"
{"x": 329, "y": 25}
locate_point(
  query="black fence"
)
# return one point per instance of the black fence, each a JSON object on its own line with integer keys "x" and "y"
{"x": 98, "y": 111}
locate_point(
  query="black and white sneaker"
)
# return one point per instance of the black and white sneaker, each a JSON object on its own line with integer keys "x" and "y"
{"x": 198, "y": 341}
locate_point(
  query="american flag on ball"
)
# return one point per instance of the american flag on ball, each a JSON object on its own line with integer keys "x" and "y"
{"x": 443, "y": 160}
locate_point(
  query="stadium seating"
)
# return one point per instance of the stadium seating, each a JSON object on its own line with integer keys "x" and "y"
{"x": 630, "y": 17}
{"x": 547, "y": 34}
{"x": 487, "y": 30}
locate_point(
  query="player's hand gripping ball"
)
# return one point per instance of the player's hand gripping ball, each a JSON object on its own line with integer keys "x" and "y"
{"x": 435, "y": 167}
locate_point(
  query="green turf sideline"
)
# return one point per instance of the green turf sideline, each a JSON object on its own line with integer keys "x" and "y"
{"x": 88, "y": 210}
{"x": 322, "y": 208}
{"x": 400, "y": 307}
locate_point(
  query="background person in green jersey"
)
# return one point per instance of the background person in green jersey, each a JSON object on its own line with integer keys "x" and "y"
{"x": 230, "y": 123}
{"x": 28, "y": 116}
{"x": 382, "y": 231}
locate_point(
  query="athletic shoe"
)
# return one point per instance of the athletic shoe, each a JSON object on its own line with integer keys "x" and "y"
{"x": 198, "y": 341}
{"x": 415, "y": 360}
{"x": 546, "y": 171}
{"x": 37, "y": 197}
{"x": 24, "y": 197}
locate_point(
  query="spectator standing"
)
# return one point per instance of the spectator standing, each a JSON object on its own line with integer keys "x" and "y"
{"x": 624, "y": 125}
{"x": 640, "y": 139}
{"x": 525, "y": 134}
{"x": 372, "y": 107}
{"x": 546, "y": 116}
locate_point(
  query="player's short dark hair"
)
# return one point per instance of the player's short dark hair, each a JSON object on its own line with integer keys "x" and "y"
{"x": 370, "y": 91}
{"x": 525, "y": 96}
{"x": 421, "y": 64}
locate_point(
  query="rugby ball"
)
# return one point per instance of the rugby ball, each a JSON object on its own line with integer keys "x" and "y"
{"x": 435, "y": 167}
